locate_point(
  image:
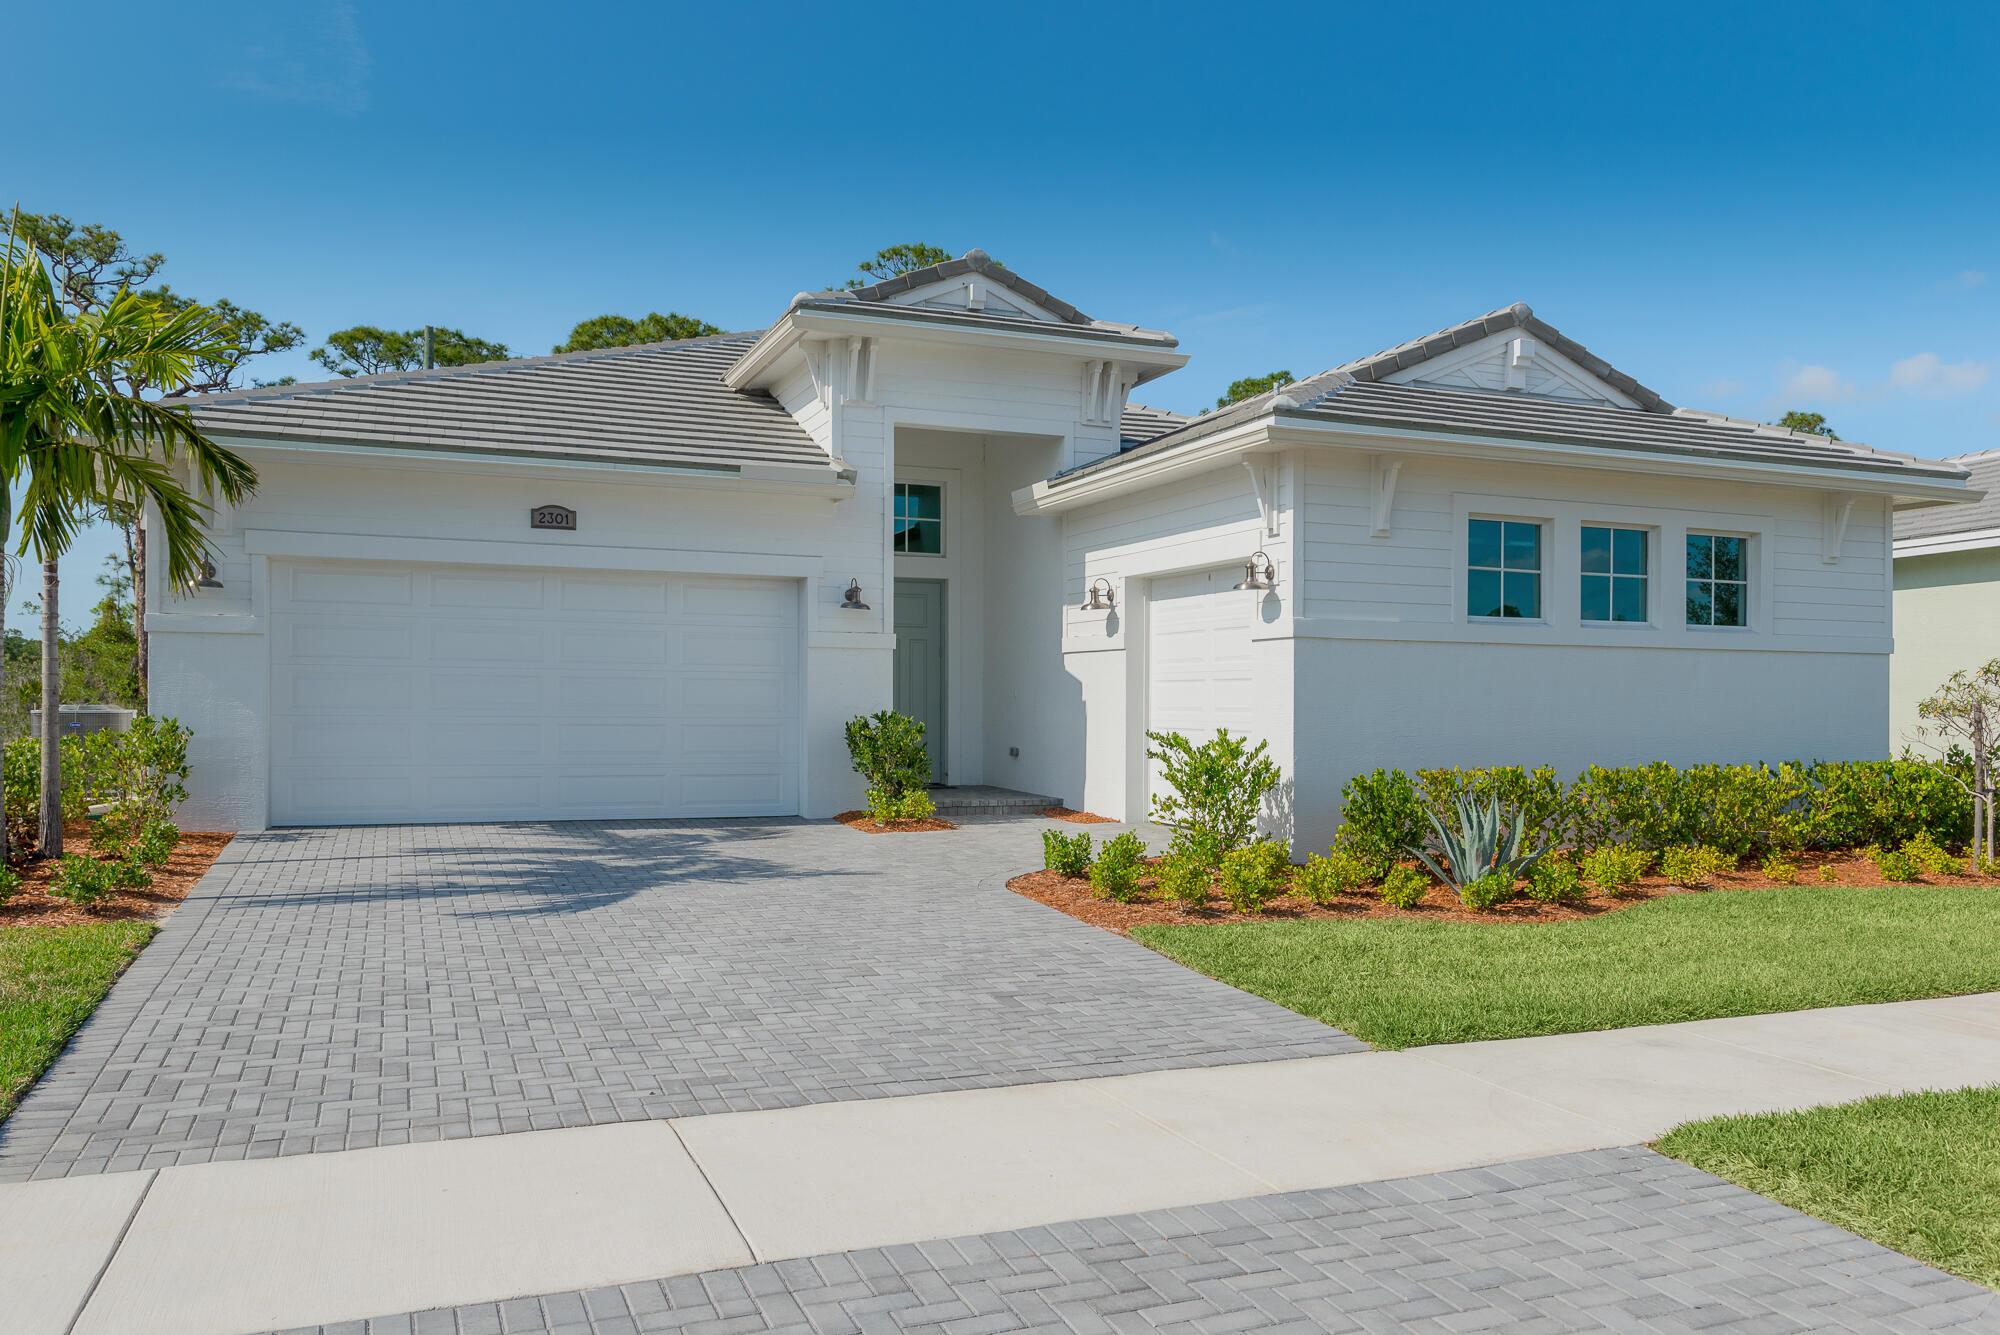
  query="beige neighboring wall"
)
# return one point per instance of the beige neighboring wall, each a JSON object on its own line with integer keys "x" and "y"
{"x": 1947, "y": 618}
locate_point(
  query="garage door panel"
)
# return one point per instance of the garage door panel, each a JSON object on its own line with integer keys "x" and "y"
{"x": 580, "y": 594}
{"x": 486, "y": 642}
{"x": 343, "y": 586}
{"x": 516, "y": 592}
{"x": 519, "y": 694}
{"x": 308, "y": 690}
{"x": 450, "y": 693}
{"x": 344, "y": 639}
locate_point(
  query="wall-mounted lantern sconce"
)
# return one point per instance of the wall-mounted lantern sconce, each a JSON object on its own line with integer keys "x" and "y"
{"x": 1256, "y": 579}
{"x": 1101, "y": 597}
{"x": 207, "y": 579}
{"x": 851, "y": 600}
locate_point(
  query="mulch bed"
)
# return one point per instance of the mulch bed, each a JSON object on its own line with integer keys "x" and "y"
{"x": 862, "y": 821}
{"x": 33, "y": 905}
{"x": 1072, "y": 895}
{"x": 1074, "y": 817}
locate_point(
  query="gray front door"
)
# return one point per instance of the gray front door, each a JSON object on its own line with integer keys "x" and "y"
{"x": 920, "y": 662}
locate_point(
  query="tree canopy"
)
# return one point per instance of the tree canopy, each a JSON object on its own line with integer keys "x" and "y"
{"x": 1812, "y": 424}
{"x": 891, "y": 261}
{"x": 367, "y": 349}
{"x": 620, "y": 331}
{"x": 1249, "y": 387}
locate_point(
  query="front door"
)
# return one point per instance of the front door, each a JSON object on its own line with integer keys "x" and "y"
{"x": 920, "y": 662}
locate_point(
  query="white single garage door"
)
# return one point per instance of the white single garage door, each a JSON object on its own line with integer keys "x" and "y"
{"x": 1198, "y": 670}
{"x": 469, "y": 693}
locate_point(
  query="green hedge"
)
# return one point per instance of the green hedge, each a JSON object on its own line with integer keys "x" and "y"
{"x": 1740, "y": 809}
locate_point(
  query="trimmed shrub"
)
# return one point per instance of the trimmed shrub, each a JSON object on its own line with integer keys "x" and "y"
{"x": 1897, "y": 866}
{"x": 1780, "y": 869}
{"x": 1184, "y": 879}
{"x": 1115, "y": 874}
{"x": 1931, "y": 859}
{"x": 1556, "y": 880}
{"x": 10, "y": 883}
{"x": 887, "y": 750}
{"x": 1694, "y": 865}
{"x": 1404, "y": 887}
{"x": 80, "y": 879}
{"x": 156, "y": 842}
{"x": 1484, "y": 892}
{"x": 128, "y": 873}
{"x": 1614, "y": 868}
{"x": 1254, "y": 874}
{"x": 1213, "y": 791}
{"x": 1536, "y": 798}
{"x": 1381, "y": 816}
{"x": 1066, "y": 853}
{"x": 1329, "y": 875}
{"x": 1887, "y": 802}
{"x": 885, "y": 806}
{"x": 1827, "y": 875}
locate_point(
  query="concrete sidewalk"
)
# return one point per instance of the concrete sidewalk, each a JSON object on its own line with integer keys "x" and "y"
{"x": 225, "y": 1248}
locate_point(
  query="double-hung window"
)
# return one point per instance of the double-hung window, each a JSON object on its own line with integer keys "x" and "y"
{"x": 1718, "y": 580}
{"x": 1503, "y": 568}
{"x": 919, "y": 526}
{"x": 1614, "y": 573}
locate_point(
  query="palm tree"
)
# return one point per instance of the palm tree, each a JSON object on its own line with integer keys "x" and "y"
{"x": 70, "y": 441}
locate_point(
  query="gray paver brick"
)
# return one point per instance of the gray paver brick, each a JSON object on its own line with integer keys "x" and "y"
{"x": 1159, "y": 1275}
{"x": 342, "y": 988}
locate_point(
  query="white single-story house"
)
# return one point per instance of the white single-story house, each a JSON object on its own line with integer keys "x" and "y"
{"x": 1947, "y": 594}
{"x": 656, "y": 581}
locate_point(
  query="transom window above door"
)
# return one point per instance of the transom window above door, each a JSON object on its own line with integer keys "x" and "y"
{"x": 1503, "y": 568}
{"x": 1718, "y": 580}
{"x": 1614, "y": 573}
{"x": 919, "y": 525}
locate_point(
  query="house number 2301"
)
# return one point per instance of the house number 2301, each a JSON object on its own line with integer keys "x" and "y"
{"x": 553, "y": 516}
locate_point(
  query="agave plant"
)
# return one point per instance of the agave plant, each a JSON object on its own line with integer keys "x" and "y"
{"x": 1486, "y": 841}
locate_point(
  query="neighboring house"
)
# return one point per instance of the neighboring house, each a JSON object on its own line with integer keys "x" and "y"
{"x": 656, "y": 581}
{"x": 1947, "y": 594}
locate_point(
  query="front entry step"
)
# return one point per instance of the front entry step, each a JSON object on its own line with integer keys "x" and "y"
{"x": 984, "y": 800}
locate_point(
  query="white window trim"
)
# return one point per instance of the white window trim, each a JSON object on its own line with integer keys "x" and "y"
{"x": 1562, "y": 620}
{"x": 1752, "y": 563}
{"x": 1464, "y": 580}
{"x": 1651, "y": 576}
{"x": 943, "y": 520}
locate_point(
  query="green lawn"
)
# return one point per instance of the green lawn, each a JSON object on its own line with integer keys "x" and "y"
{"x": 1398, "y": 983}
{"x": 1916, "y": 1172}
{"x": 51, "y": 979}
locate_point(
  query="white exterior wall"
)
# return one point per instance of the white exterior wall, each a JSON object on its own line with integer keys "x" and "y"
{"x": 1366, "y": 658}
{"x": 1947, "y": 620}
{"x": 210, "y": 650}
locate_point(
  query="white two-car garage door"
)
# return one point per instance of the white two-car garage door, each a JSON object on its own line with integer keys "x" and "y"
{"x": 1198, "y": 669}
{"x": 461, "y": 693}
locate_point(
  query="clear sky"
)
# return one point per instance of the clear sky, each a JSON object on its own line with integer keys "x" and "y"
{"x": 1748, "y": 207}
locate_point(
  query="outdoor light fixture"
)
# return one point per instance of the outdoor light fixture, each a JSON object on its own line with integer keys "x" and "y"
{"x": 1256, "y": 581}
{"x": 208, "y": 579}
{"x": 851, "y": 601}
{"x": 1101, "y": 598}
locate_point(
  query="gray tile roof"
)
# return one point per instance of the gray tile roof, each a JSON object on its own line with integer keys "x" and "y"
{"x": 1380, "y": 365}
{"x": 1943, "y": 520}
{"x": 656, "y": 403}
{"x": 1140, "y": 424}
{"x": 1338, "y": 397}
{"x": 1073, "y": 322}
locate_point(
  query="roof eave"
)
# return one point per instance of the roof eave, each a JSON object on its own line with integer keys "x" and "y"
{"x": 1939, "y": 544}
{"x": 1283, "y": 428}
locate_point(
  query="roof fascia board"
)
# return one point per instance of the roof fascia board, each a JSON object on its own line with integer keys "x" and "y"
{"x": 1937, "y": 544}
{"x": 1064, "y": 338}
{"x": 1200, "y": 455}
{"x": 829, "y": 483}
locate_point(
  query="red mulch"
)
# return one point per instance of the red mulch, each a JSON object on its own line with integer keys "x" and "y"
{"x": 1075, "y": 817}
{"x": 862, "y": 821}
{"x": 33, "y": 906}
{"x": 1073, "y": 895}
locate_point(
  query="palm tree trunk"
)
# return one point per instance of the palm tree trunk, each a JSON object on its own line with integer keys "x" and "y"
{"x": 138, "y": 563}
{"x": 51, "y": 717}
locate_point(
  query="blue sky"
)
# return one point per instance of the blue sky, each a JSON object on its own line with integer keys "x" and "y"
{"x": 1750, "y": 208}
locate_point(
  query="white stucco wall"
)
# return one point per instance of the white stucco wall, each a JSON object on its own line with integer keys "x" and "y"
{"x": 1947, "y": 619}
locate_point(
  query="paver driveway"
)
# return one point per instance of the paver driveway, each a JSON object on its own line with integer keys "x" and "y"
{"x": 333, "y": 989}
